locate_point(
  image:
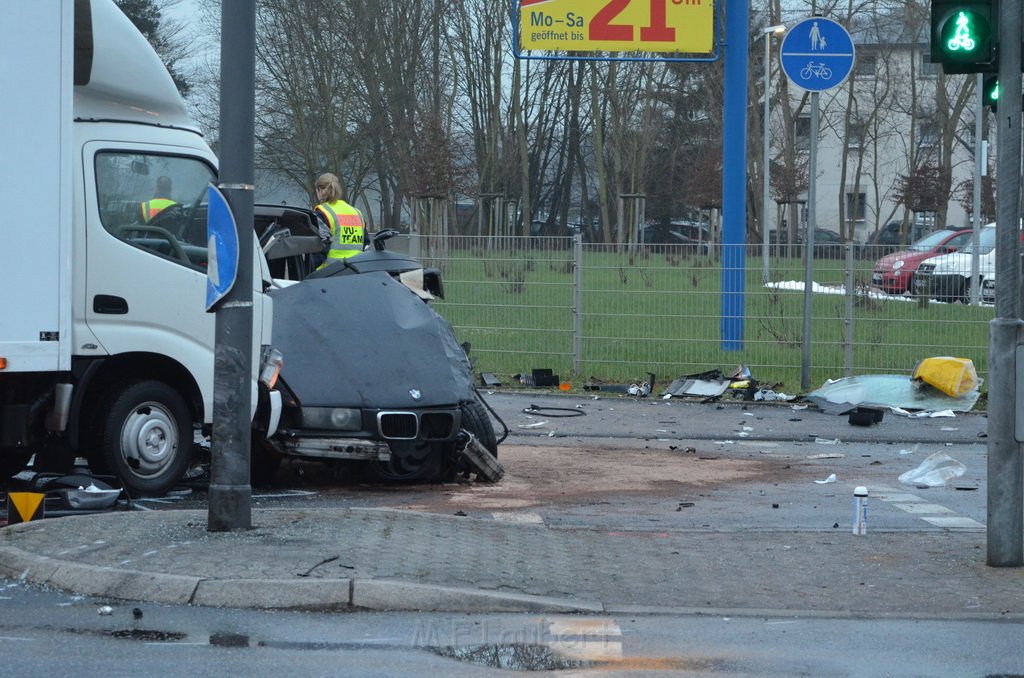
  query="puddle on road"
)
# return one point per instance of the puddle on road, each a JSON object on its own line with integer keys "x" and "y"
{"x": 536, "y": 657}
{"x": 147, "y": 635}
{"x": 516, "y": 656}
{"x": 508, "y": 656}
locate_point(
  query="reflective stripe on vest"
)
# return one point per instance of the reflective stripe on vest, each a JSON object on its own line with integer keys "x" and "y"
{"x": 346, "y": 229}
{"x": 151, "y": 208}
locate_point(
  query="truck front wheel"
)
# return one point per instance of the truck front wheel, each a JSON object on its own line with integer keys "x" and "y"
{"x": 146, "y": 437}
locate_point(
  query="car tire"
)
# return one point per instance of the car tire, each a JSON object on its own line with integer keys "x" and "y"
{"x": 476, "y": 420}
{"x": 146, "y": 437}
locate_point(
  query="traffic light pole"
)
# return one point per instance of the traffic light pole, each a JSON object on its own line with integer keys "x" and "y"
{"x": 1005, "y": 518}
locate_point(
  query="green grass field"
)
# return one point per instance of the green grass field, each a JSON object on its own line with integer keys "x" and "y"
{"x": 661, "y": 313}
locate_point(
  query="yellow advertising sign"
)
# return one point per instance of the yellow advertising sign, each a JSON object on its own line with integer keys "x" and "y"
{"x": 685, "y": 26}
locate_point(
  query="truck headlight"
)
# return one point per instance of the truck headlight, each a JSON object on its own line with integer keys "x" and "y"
{"x": 338, "y": 418}
{"x": 270, "y": 370}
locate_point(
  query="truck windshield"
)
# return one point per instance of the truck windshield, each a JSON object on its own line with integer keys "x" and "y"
{"x": 156, "y": 203}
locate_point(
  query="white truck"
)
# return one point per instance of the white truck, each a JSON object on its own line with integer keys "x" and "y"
{"x": 106, "y": 348}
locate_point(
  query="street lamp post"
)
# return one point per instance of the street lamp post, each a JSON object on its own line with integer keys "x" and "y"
{"x": 767, "y": 34}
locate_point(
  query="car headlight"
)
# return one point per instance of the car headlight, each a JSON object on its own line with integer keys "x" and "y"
{"x": 897, "y": 265}
{"x": 338, "y": 418}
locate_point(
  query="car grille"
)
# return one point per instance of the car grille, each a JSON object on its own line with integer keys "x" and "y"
{"x": 398, "y": 425}
{"x": 437, "y": 425}
{"x": 412, "y": 425}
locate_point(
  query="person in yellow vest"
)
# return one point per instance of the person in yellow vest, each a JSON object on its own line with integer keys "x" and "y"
{"x": 348, "y": 231}
{"x": 161, "y": 201}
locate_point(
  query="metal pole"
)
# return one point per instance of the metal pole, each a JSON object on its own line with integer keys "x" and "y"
{"x": 764, "y": 170}
{"x": 848, "y": 323}
{"x": 812, "y": 170}
{"x": 1005, "y": 520}
{"x": 734, "y": 176}
{"x": 979, "y": 111}
{"x": 230, "y": 503}
{"x": 577, "y": 303}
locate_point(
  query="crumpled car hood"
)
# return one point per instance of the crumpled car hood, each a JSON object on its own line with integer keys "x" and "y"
{"x": 367, "y": 341}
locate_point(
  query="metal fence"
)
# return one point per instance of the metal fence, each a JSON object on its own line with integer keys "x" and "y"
{"x": 618, "y": 312}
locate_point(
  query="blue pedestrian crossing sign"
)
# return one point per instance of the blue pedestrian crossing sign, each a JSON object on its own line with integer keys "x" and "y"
{"x": 817, "y": 54}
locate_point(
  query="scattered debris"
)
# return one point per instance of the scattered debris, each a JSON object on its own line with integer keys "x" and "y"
{"x": 552, "y": 412}
{"x": 935, "y": 471}
{"x": 827, "y": 455}
{"x": 105, "y": 611}
{"x": 489, "y": 379}
{"x": 640, "y": 389}
{"x": 310, "y": 570}
{"x": 545, "y": 377}
{"x": 768, "y": 395}
{"x": 831, "y": 479}
{"x": 866, "y": 416}
{"x": 484, "y": 463}
{"x": 840, "y": 396}
{"x": 953, "y": 376}
{"x": 827, "y": 441}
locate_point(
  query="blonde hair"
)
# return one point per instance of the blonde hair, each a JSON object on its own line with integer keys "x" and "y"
{"x": 328, "y": 181}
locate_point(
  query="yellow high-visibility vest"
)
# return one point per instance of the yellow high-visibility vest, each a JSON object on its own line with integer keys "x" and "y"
{"x": 347, "y": 229}
{"x": 151, "y": 208}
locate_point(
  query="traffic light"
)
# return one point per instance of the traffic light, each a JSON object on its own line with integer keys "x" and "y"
{"x": 964, "y": 35}
{"x": 990, "y": 92}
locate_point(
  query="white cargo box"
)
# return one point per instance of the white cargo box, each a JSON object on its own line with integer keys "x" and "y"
{"x": 36, "y": 183}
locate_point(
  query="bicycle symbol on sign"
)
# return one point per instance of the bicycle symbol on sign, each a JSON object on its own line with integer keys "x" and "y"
{"x": 817, "y": 70}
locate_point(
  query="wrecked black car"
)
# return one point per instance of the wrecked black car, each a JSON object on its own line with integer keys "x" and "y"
{"x": 371, "y": 372}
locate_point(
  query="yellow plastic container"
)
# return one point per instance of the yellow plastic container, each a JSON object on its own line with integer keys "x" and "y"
{"x": 952, "y": 376}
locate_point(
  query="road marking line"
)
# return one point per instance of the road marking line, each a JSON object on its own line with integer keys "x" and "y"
{"x": 915, "y": 505}
{"x": 584, "y": 627}
{"x": 923, "y": 508}
{"x": 585, "y": 639}
{"x": 588, "y": 650}
{"x": 952, "y": 521}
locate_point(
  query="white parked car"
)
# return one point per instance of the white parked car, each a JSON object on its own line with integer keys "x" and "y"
{"x": 948, "y": 277}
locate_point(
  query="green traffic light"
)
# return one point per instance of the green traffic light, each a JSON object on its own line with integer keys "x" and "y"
{"x": 965, "y": 36}
{"x": 991, "y": 90}
{"x": 962, "y": 37}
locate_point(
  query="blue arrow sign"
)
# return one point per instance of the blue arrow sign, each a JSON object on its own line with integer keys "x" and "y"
{"x": 222, "y": 248}
{"x": 817, "y": 54}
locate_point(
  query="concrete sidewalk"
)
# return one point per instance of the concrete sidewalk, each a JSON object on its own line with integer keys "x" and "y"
{"x": 401, "y": 560}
